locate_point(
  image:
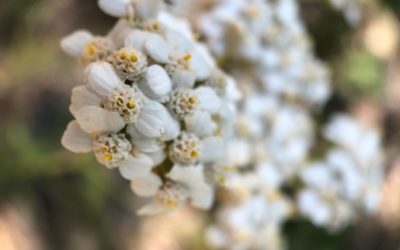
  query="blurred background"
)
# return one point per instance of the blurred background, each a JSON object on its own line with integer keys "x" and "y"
{"x": 53, "y": 199}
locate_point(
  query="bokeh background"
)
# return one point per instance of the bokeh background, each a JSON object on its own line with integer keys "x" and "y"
{"x": 53, "y": 199}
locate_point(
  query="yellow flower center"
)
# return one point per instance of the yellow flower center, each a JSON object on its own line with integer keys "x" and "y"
{"x": 185, "y": 149}
{"x": 187, "y": 57}
{"x": 131, "y": 104}
{"x": 127, "y": 101}
{"x": 90, "y": 49}
{"x": 107, "y": 157}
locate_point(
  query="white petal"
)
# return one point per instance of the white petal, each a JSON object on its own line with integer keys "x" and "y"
{"x": 239, "y": 152}
{"x": 82, "y": 97}
{"x": 268, "y": 175}
{"x": 149, "y": 145}
{"x": 177, "y": 24}
{"x": 156, "y": 82}
{"x": 157, "y": 48}
{"x": 232, "y": 92}
{"x": 152, "y": 119}
{"x": 136, "y": 166}
{"x": 318, "y": 175}
{"x": 216, "y": 237}
{"x": 115, "y": 8}
{"x": 95, "y": 120}
{"x": 147, "y": 9}
{"x": 147, "y": 185}
{"x": 142, "y": 142}
{"x": 158, "y": 156}
{"x": 310, "y": 205}
{"x": 213, "y": 149}
{"x": 183, "y": 79}
{"x": 343, "y": 130}
{"x": 208, "y": 99}
{"x": 76, "y": 140}
{"x": 172, "y": 128}
{"x": 188, "y": 175}
{"x": 75, "y": 43}
{"x": 200, "y": 66}
{"x": 119, "y": 33}
{"x": 200, "y": 123}
{"x": 102, "y": 78}
{"x": 178, "y": 41}
{"x": 152, "y": 209}
{"x": 136, "y": 39}
{"x": 201, "y": 194}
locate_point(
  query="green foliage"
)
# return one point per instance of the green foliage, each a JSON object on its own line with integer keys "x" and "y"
{"x": 363, "y": 71}
{"x": 302, "y": 235}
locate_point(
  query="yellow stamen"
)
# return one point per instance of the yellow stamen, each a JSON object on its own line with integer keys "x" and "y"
{"x": 193, "y": 100}
{"x": 272, "y": 195}
{"x": 107, "y": 157}
{"x": 221, "y": 180}
{"x": 133, "y": 58}
{"x": 123, "y": 55}
{"x": 156, "y": 26}
{"x": 194, "y": 154}
{"x": 170, "y": 203}
{"x": 187, "y": 57}
{"x": 196, "y": 36}
{"x": 90, "y": 49}
{"x": 119, "y": 101}
{"x": 131, "y": 104}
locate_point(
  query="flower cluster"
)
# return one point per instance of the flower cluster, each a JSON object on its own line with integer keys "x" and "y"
{"x": 348, "y": 179}
{"x": 269, "y": 38}
{"x": 264, "y": 45}
{"x": 154, "y": 105}
{"x": 266, "y": 150}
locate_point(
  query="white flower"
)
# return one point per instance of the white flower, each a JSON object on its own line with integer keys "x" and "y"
{"x": 322, "y": 200}
{"x": 186, "y": 183}
{"x": 82, "y": 44}
{"x": 195, "y": 107}
{"x": 149, "y": 117}
{"x": 363, "y": 143}
{"x": 129, "y": 64}
{"x": 142, "y": 9}
{"x": 325, "y": 209}
{"x": 152, "y": 44}
{"x": 188, "y": 149}
{"x": 346, "y": 169}
{"x": 344, "y": 131}
{"x": 356, "y": 160}
{"x": 247, "y": 226}
{"x": 188, "y": 62}
{"x": 147, "y": 185}
{"x": 110, "y": 147}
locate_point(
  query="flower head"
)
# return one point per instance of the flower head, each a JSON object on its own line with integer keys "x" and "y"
{"x": 146, "y": 108}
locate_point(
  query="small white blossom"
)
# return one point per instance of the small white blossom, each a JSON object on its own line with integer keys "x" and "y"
{"x": 110, "y": 147}
{"x": 82, "y": 44}
{"x": 142, "y": 9}
{"x": 186, "y": 183}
